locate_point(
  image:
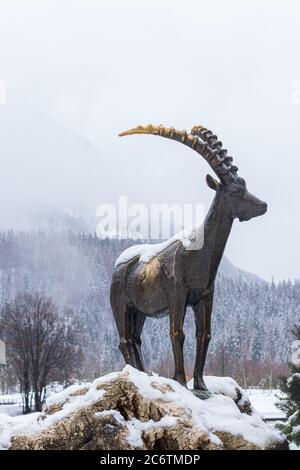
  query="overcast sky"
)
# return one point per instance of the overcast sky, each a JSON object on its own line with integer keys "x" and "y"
{"x": 78, "y": 72}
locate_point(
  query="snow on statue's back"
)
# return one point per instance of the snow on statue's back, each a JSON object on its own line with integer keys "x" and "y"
{"x": 192, "y": 238}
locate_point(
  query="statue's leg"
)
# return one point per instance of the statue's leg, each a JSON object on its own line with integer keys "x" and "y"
{"x": 177, "y": 311}
{"x": 124, "y": 324}
{"x": 202, "y": 314}
{"x": 139, "y": 320}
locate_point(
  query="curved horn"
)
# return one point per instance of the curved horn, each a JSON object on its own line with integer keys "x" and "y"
{"x": 208, "y": 136}
{"x": 211, "y": 155}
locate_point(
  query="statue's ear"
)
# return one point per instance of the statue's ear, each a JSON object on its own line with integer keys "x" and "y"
{"x": 212, "y": 183}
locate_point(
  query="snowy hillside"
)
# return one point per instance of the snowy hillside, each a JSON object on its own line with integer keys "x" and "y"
{"x": 76, "y": 270}
{"x": 230, "y": 270}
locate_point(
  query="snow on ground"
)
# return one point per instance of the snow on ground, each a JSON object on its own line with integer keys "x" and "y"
{"x": 192, "y": 238}
{"x": 219, "y": 413}
{"x": 264, "y": 401}
{"x": 10, "y": 425}
{"x": 11, "y": 410}
{"x": 11, "y": 404}
{"x": 10, "y": 398}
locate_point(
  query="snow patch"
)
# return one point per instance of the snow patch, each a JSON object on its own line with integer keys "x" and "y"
{"x": 69, "y": 401}
{"x": 264, "y": 401}
{"x": 296, "y": 375}
{"x": 221, "y": 386}
{"x": 216, "y": 414}
{"x": 136, "y": 427}
{"x": 192, "y": 238}
{"x": 10, "y": 425}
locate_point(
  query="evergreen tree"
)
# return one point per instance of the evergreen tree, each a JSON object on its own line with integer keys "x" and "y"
{"x": 290, "y": 403}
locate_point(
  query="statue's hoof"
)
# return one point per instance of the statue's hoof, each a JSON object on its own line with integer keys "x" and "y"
{"x": 202, "y": 394}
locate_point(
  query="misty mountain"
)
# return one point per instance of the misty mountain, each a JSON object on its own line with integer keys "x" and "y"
{"x": 46, "y": 169}
{"x": 230, "y": 270}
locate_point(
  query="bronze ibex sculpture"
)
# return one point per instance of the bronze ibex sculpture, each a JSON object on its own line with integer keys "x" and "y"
{"x": 177, "y": 277}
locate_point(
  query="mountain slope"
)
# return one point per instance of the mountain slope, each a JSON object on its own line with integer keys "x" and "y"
{"x": 45, "y": 167}
{"x": 228, "y": 269}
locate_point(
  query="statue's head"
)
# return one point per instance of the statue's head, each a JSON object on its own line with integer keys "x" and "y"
{"x": 237, "y": 201}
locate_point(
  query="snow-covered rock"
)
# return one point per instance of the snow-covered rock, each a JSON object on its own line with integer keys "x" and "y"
{"x": 133, "y": 410}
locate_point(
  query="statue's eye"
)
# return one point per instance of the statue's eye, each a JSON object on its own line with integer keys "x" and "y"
{"x": 236, "y": 192}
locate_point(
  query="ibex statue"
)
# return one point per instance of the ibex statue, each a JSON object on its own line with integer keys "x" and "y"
{"x": 176, "y": 277}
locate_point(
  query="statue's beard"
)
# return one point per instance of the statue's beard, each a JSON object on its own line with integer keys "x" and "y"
{"x": 244, "y": 218}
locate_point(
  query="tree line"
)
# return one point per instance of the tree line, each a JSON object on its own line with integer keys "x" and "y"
{"x": 252, "y": 319}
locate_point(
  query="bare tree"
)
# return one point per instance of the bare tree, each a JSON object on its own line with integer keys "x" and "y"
{"x": 42, "y": 345}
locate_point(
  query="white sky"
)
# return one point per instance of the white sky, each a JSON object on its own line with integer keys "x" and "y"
{"x": 97, "y": 67}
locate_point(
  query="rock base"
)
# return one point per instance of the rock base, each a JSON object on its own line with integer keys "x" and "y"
{"x": 132, "y": 410}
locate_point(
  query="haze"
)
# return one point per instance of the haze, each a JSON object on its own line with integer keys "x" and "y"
{"x": 78, "y": 72}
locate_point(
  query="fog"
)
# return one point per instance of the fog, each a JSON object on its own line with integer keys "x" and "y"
{"x": 78, "y": 72}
